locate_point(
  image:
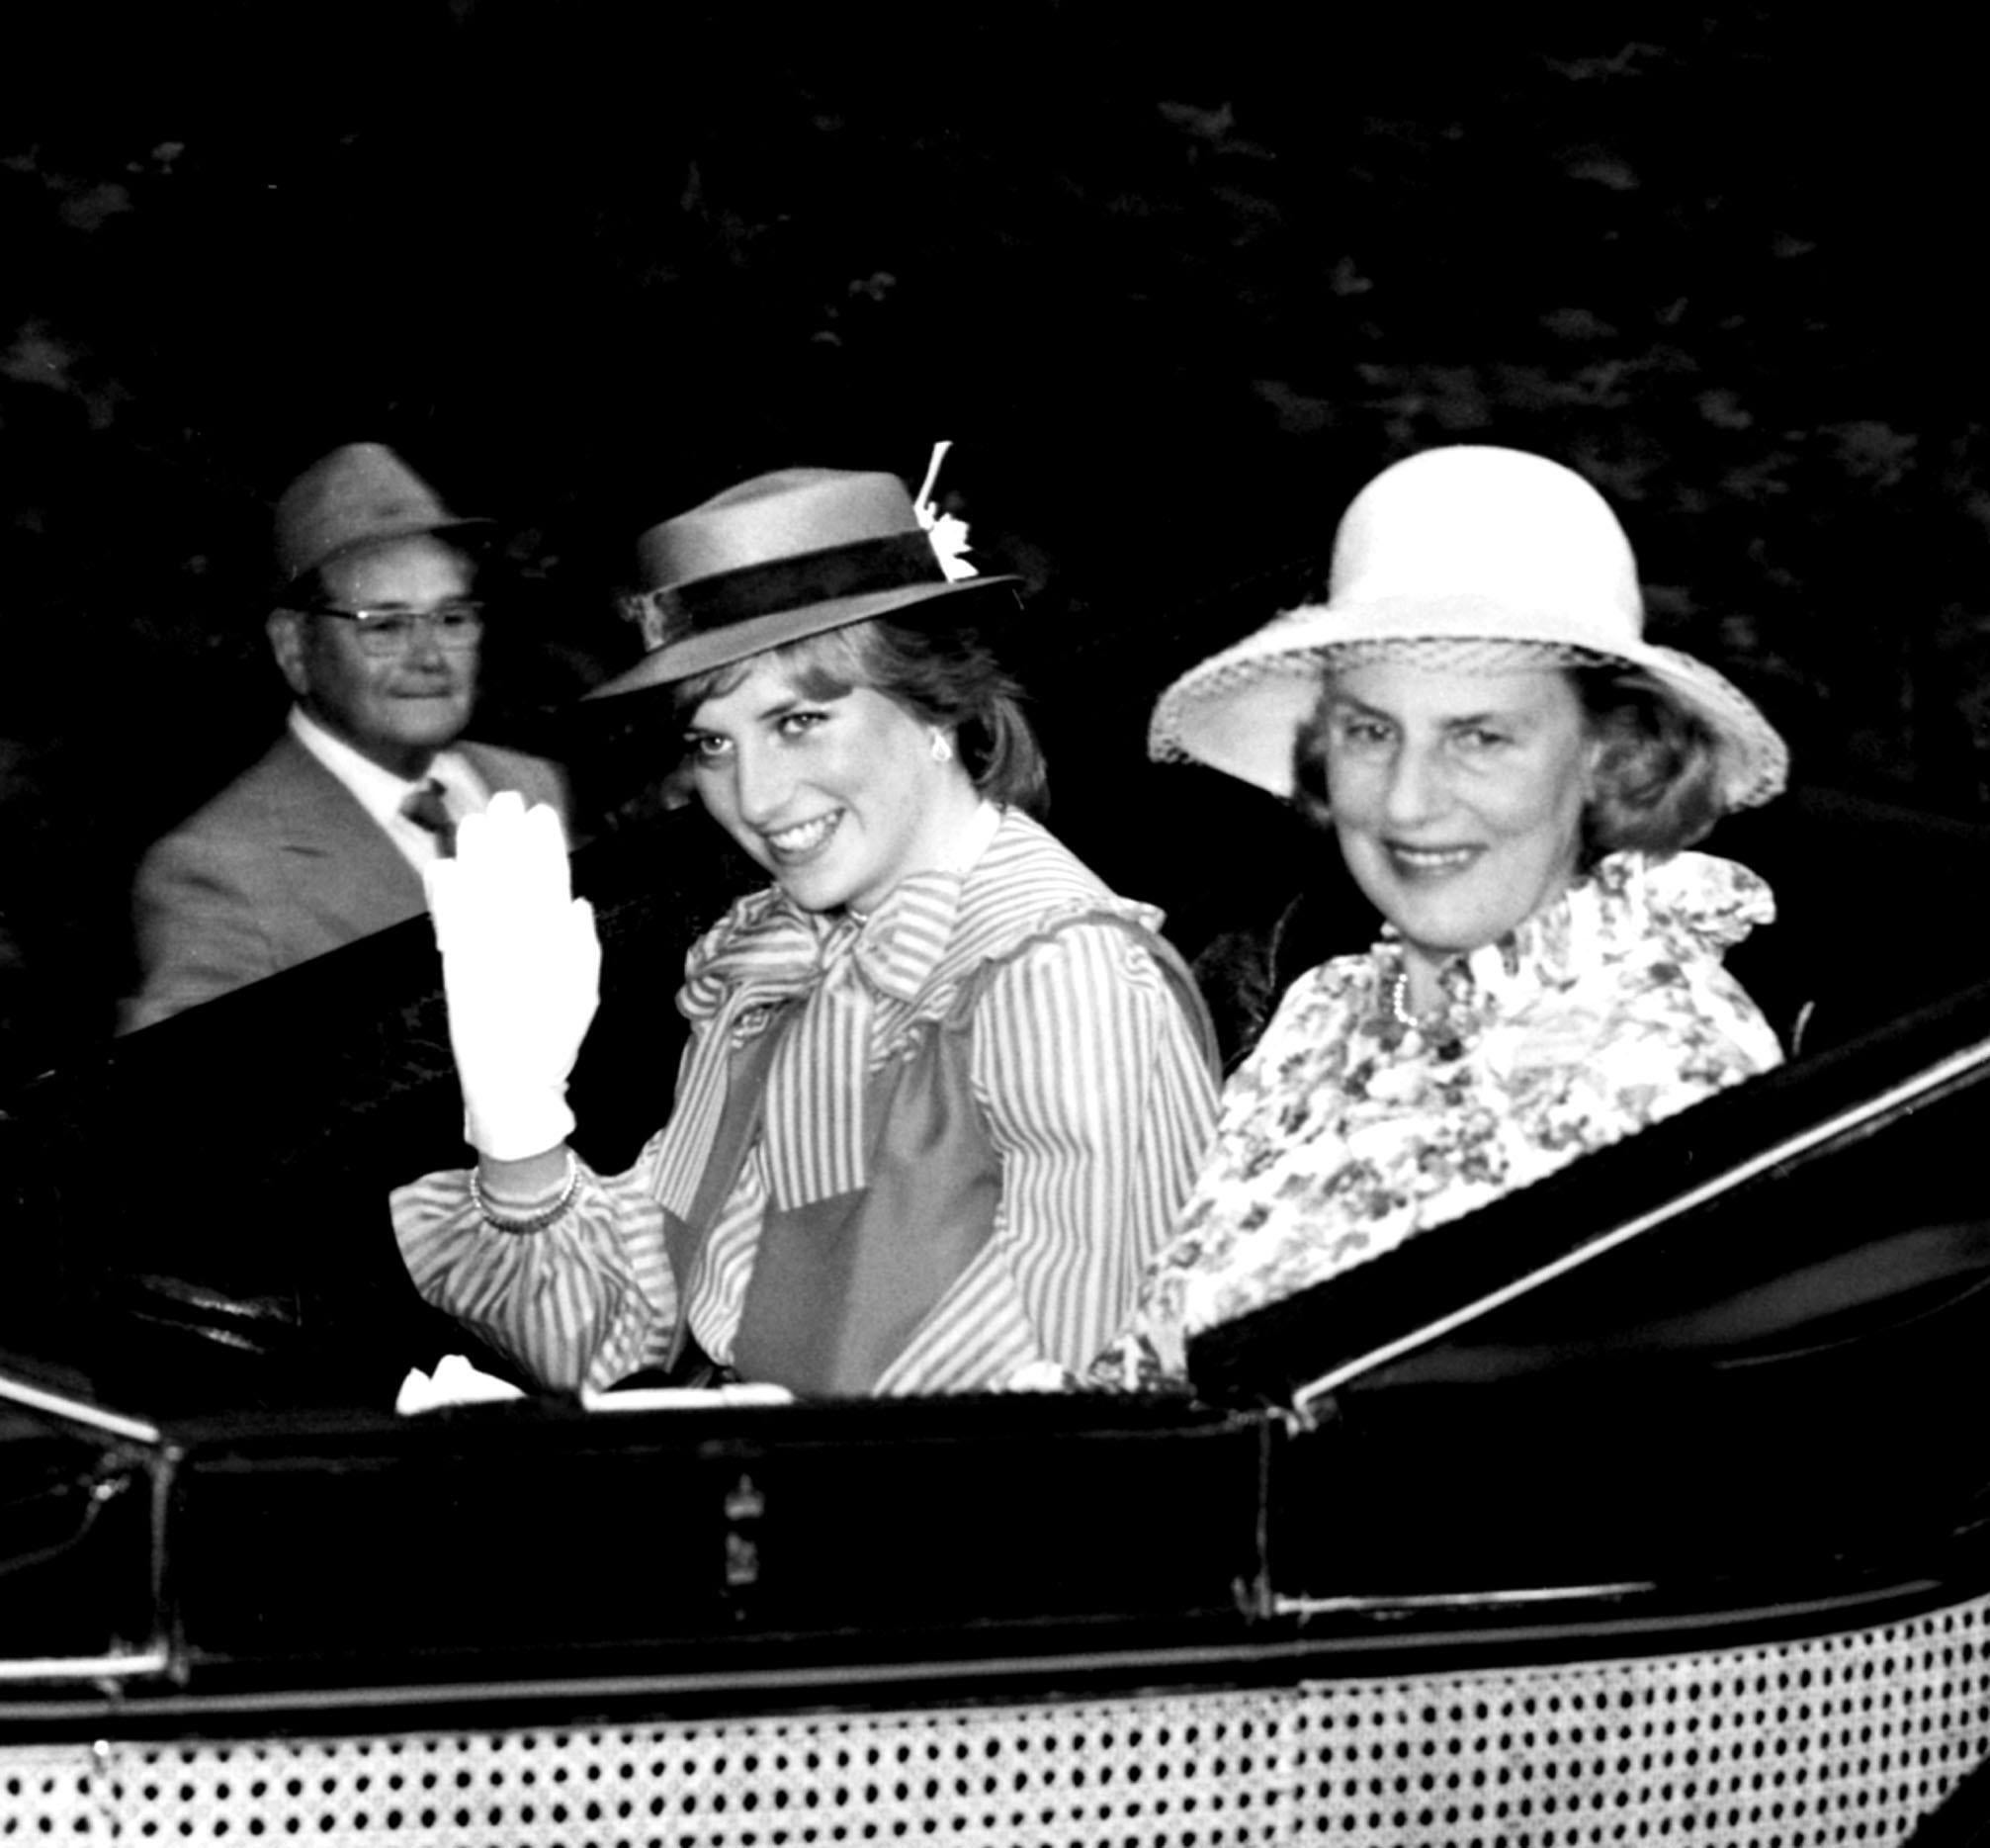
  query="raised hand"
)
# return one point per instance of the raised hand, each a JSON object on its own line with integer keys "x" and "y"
{"x": 522, "y": 970}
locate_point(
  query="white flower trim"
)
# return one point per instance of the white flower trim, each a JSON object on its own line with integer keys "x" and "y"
{"x": 947, "y": 534}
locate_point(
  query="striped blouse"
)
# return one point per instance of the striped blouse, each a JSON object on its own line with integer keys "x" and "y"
{"x": 1093, "y": 1087}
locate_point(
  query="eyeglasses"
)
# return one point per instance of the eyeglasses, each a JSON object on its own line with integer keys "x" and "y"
{"x": 384, "y": 632}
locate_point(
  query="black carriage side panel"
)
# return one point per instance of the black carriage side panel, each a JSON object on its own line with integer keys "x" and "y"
{"x": 1745, "y": 1347}
{"x": 792, "y": 1543}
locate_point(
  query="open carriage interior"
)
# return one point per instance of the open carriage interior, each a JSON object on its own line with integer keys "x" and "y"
{"x": 209, "y": 1232}
{"x": 216, "y": 1184}
{"x": 1705, "y": 1400}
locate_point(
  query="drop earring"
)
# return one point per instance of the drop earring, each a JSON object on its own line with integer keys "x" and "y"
{"x": 943, "y": 749}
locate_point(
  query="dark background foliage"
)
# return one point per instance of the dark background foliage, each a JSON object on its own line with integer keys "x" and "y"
{"x": 1174, "y": 284}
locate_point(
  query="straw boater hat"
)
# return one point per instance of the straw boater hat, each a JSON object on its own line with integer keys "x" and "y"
{"x": 782, "y": 556}
{"x": 359, "y": 496}
{"x": 1470, "y": 558}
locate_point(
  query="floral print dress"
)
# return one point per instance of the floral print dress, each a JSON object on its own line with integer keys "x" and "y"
{"x": 1348, "y": 1130}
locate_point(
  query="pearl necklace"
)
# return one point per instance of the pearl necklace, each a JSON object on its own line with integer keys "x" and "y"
{"x": 1436, "y": 1029}
{"x": 1398, "y": 992}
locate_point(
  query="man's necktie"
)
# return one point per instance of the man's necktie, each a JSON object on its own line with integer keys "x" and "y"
{"x": 425, "y": 808}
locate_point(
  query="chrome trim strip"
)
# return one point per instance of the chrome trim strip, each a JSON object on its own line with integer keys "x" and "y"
{"x": 84, "y": 1667}
{"x": 79, "y": 1411}
{"x": 1820, "y": 1614}
{"x": 1283, "y": 1605}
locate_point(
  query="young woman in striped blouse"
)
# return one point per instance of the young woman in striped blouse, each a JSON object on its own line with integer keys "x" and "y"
{"x": 944, "y": 1091}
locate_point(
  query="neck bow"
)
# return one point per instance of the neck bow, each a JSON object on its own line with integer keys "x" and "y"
{"x": 769, "y": 966}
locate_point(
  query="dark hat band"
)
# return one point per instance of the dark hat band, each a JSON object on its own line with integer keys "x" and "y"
{"x": 897, "y": 561}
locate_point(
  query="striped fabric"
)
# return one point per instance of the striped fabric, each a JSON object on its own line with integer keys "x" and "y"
{"x": 1096, "y": 1097}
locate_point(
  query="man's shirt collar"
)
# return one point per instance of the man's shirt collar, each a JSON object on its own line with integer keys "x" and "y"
{"x": 383, "y": 794}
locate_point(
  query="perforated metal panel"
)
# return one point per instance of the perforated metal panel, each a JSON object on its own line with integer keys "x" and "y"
{"x": 1847, "y": 1738}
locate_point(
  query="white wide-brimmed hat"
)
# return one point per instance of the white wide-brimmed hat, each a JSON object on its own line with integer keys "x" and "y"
{"x": 1469, "y": 557}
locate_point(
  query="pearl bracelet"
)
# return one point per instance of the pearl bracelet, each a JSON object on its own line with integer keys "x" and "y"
{"x": 539, "y": 1221}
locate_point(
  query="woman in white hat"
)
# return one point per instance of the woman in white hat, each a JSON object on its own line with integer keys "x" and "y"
{"x": 944, "y": 1091}
{"x": 1512, "y": 774}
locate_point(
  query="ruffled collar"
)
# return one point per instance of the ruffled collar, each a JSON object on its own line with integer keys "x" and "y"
{"x": 769, "y": 944}
{"x": 768, "y": 952}
{"x": 1631, "y": 910}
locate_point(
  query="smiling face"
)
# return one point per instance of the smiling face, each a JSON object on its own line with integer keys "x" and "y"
{"x": 839, "y": 798}
{"x": 1457, "y": 798}
{"x": 400, "y": 709}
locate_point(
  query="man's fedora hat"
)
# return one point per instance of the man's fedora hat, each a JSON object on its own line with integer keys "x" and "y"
{"x": 1468, "y": 557}
{"x": 782, "y": 556}
{"x": 359, "y": 496}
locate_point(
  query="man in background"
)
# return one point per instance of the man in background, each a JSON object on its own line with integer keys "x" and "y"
{"x": 377, "y": 632}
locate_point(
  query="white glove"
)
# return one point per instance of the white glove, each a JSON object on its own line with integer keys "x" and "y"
{"x": 521, "y": 966}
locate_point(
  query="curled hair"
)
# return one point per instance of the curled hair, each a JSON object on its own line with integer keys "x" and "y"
{"x": 1658, "y": 772}
{"x": 1657, "y": 775}
{"x": 944, "y": 675}
{"x": 1309, "y": 760}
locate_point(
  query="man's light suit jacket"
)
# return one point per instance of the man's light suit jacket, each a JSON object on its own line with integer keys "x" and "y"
{"x": 282, "y": 866}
